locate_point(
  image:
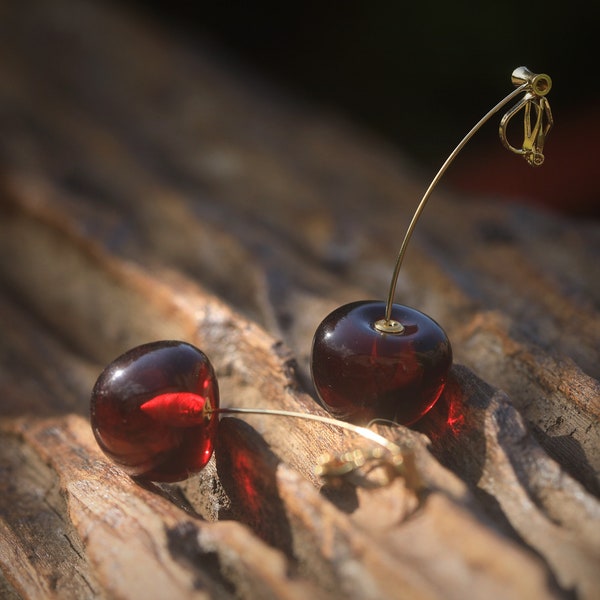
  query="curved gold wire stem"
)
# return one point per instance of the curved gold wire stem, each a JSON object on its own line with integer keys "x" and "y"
{"x": 334, "y": 465}
{"x": 428, "y": 192}
{"x": 536, "y": 86}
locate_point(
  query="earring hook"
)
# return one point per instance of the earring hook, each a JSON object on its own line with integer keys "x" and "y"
{"x": 537, "y": 87}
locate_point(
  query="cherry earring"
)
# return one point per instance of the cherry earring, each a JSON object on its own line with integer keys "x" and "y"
{"x": 155, "y": 413}
{"x": 374, "y": 360}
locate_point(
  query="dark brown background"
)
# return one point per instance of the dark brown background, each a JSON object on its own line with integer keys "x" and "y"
{"x": 422, "y": 73}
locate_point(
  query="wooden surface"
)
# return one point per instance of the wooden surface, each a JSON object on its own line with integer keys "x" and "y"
{"x": 150, "y": 190}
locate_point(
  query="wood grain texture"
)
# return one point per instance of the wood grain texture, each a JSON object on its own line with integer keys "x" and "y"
{"x": 150, "y": 190}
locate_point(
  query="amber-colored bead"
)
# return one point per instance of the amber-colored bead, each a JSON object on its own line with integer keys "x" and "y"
{"x": 363, "y": 374}
{"x": 152, "y": 411}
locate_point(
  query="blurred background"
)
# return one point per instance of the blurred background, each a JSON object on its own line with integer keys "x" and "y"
{"x": 421, "y": 74}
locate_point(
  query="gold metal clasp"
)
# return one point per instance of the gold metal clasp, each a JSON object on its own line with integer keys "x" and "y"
{"x": 537, "y": 125}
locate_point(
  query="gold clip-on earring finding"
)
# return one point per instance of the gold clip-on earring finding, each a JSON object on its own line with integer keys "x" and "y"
{"x": 536, "y": 88}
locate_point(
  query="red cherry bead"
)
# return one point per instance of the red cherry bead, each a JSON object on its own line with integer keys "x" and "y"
{"x": 152, "y": 411}
{"x": 363, "y": 374}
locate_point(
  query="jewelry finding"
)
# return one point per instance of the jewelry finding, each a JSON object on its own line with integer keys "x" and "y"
{"x": 535, "y": 133}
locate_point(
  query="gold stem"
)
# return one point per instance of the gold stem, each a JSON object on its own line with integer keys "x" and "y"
{"x": 384, "y": 324}
{"x": 394, "y": 449}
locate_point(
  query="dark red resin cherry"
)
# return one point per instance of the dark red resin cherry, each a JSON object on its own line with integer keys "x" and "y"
{"x": 152, "y": 411}
{"x": 363, "y": 374}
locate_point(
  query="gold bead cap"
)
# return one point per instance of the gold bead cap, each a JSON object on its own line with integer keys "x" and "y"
{"x": 540, "y": 84}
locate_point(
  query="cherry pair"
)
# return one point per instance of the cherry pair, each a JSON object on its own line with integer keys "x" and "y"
{"x": 154, "y": 410}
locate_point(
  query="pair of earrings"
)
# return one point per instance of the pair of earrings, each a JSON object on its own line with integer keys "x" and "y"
{"x": 155, "y": 409}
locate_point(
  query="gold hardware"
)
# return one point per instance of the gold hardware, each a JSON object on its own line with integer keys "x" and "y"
{"x": 536, "y": 87}
{"x": 537, "y": 126}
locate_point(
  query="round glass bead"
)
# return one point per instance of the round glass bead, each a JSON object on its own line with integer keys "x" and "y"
{"x": 152, "y": 411}
{"x": 362, "y": 373}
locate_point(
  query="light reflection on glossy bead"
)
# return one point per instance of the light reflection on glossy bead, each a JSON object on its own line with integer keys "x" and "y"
{"x": 148, "y": 411}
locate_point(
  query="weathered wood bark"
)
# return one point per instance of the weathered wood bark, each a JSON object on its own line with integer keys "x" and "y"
{"x": 150, "y": 191}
